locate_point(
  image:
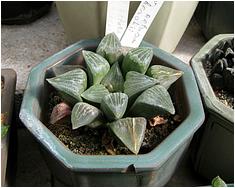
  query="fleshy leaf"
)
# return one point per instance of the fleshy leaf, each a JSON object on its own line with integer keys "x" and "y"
{"x": 59, "y": 112}
{"x": 58, "y": 70}
{"x": 84, "y": 114}
{"x": 130, "y": 131}
{"x": 95, "y": 93}
{"x": 137, "y": 59}
{"x": 109, "y": 48}
{"x": 114, "y": 105}
{"x": 165, "y": 75}
{"x": 4, "y": 130}
{"x": 218, "y": 182}
{"x": 136, "y": 83}
{"x": 72, "y": 83}
{"x": 97, "y": 66}
{"x": 152, "y": 102}
{"x": 114, "y": 81}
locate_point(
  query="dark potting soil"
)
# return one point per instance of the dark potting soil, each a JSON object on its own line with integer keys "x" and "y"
{"x": 225, "y": 97}
{"x": 100, "y": 141}
{"x": 219, "y": 68}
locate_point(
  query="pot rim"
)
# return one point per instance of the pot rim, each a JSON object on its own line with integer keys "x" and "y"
{"x": 212, "y": 102}
{"x": 118, "y": 163}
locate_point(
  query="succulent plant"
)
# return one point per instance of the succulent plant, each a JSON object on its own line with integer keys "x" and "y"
{"x": 114, "y": 105}
{"x": 71, "y": 83}
{"x": 137, "y": 59}
{"x": 136, "y": 83}
{"x": 4, "y": 126}
{"x": 154, "y": 101}
{"x": 122, "y": 105}
{"x": 4, "y": 130}
{"x": 218, "y": 182}
{"x": 97, "y": 66}
{"x": 84, "y": 114}
{"x": 110, "y": 48}
{"x": 165, "y": 75}
{"x": 114, "y": 80}
{"x": 95, "y": 93}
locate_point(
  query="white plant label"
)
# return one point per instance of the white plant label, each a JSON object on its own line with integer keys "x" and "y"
{"x": 140, "y": 23}
{"x": 117, "y": 16}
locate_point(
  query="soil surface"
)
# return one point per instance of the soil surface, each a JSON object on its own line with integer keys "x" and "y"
{"x": 100, "y": 141}
{"x": 225, "y": 97}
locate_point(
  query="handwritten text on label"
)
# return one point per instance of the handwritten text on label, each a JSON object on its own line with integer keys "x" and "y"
{"x": 117, "y": 16}
{"x": 140, "y": 23}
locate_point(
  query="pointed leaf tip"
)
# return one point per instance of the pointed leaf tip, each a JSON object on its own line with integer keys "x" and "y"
{"x": 84, "y": 114}
{"x": 165, "y": 75}
{"x": 72, "y": 83}
{"x": 97, "y": 66}
{"x": 152, "y": 102}
{"x": 136, "y": 83}
{"x": 114, "y": 105}
{"x": 95, "y": 93}
{"x": 114, "y": 81}
{"x": 109, "y": 48}
{"x": 137, "y": 59}
{"x": 218, "y": 182}
{"x": 130, "y": 132}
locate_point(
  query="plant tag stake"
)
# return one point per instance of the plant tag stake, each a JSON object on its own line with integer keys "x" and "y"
{"x": 140, "y": 23}
{"x": 117, "y": 16}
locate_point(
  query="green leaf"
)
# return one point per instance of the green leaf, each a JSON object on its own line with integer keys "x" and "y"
{"x": 152, "y": 102}
{"x": 130, "y": 131}
{"x": 165, "y": 75}
{"x": 137, "y": 59}
{"x": 109, "y": 48}
{"x": 218, "y": 182}
{"x": 84, "y": 114}
{"x": 71, "y": 83}
{"x": 4, "y": 130}
{"x": 114, "y": 105}
{"x": 114, "y": 81}
{"x": 95, "y": 93}
{"x": 97, "y": 66}
{"x": 58, "y": 70}
{"x": 136, "y": 83}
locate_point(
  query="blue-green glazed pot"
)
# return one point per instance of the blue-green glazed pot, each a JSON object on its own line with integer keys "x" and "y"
{"x": 152, "y": 169}
{"x": 213, "y": 152}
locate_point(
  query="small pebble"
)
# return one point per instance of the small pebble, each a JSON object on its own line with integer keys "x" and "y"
{"x": 177, "y": 118}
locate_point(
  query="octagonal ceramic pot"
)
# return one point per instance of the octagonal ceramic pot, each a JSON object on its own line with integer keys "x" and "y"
{"x": 152, "y": 169}
{"x": 214, "y": 145}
